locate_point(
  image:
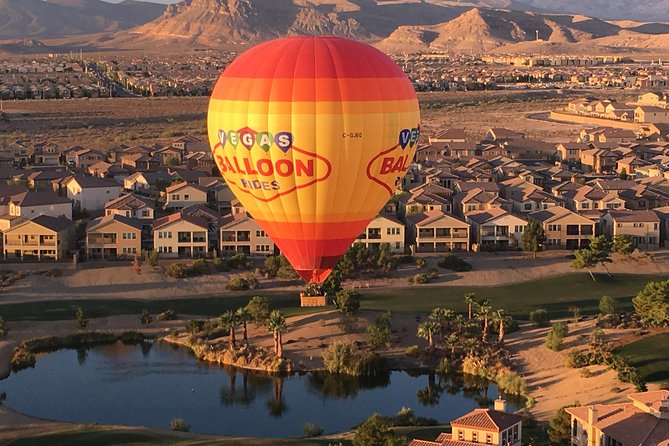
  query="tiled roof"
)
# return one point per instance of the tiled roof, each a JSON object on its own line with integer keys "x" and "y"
{"x": 634, "y": 216}
{"x": 55, "y": 224}
{"x": 177, "y": 216}
{"x": 93, "y": 182}
{"x": 38, "y": 199}
{"x": 487, "y": 419}
{"x": 128, "y": 201}
{"x": 103, "y": 221}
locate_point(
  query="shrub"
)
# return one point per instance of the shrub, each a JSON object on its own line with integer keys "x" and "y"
{"x": 195, "y": 326}
{"x": 222, "y": 265}
{"x": 420, "y": 263}
{"x": 379, "y": 332}
{"x": 151, "y": 257}
{"x": 146, "y": 317}
{"x": 556, "y": 335}
{"x": 511, "y": 383}
{"x": 348, "y": 302}
{"x": 82, "y": 322}
{"x": 444, "y": 366}
{"x": 311, "y": 430}
{"x": 455, "y": 263}
{"x": 199, "y": 267}
{"x": 177, "y": 270}
{"x": 412, "y": 351}
{"x": 607, "y": 305}
{"x": 241, "y": 283}
{"x": 179, "y": 425}
{"x": 240, "y": 261}
{"x": 22, "y": 358}
{"x": 258, "y": 307}
{"x": 418, "y": 279}
{"x": 585, "y": 372}
{"x": 51, "y": 272}
{"x": 539, "y": 317}
{"x": 167, "y": 315}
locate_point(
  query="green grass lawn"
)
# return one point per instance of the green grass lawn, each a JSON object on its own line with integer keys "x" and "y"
{"x": 555, "y": 294}
{"x": 651, "y": 356}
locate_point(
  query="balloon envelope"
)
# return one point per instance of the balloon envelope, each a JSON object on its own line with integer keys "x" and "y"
{"x": 313, "y": 135}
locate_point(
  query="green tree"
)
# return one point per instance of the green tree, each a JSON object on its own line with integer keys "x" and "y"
{"x": 332, "y": 285}
{"x": 597, "y": 339}
{"x": 652, "y": 303}
{"x": 539, "y": 317}
{"x": 607, "y": 305}
{"x": 484, "y": 314}
{"x": 443, "y": 317}
{"x": 556, "y": 335}
{"x": 230, "y": 322}
{"x": 470, "y": 298}
{"x": 559, "y": 427}
{"x": 244, "y": 317}
{"x": 379, "y": 332}
{"x": 173, "y": 161}
{"x": 427, "y": 330}
{"x": 375, "y": 432}
{"x": 623, "y": 174}
{"x": 82, "y": 322}
{"x": 601, "y": 248}
{"x": 259, "y": 310}
{"x": 277, "y": 326}
{"x": 585, "y": 258}
{"x": 533, "y": 238}
{"x": 151, "y": 257}
{"x": 622, "y": 244}
{"x": 347, "y": 302}
{"x": 501, "y": 318}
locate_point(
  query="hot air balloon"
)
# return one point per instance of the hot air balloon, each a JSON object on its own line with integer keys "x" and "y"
{"x": 313, "y": 135}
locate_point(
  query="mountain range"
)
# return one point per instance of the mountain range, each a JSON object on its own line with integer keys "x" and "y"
{"x": 393, "y": 25}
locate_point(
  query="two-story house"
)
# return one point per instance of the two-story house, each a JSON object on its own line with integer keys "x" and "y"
{"x": 47, "y": 154}
{"x": 91, "y": 193}
{"x": 181, "y": 195}
{"x": 477, "y": 200}
{"x": 436, "y": 231}
{"x": 644, "y": 421}
{"x": 130, "y": 206}
{"x": 113, "y": 236}
{"x": 181, "y": 235}
{"x": 587, "y": 198}
{"x": 496, "y": 228}
{"x": 564, "y": 228}
{"x": 31, "y": 204}
{"x": 43, "y": 237}
{"x": 241, "y": 233}
{"x": 642, "y": 226}
{"x": 495, "y": 427}
{"x": 85, "y": 158}
{"x": 383, "y": 229}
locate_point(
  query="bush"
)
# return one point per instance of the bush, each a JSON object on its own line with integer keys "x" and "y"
{"x": 146, "y": 317}
{"x": 412, "y": 351}
{"x": 418, "y": 279}
{"x": 455, "y": 263}
{"x": 420, "y": 263}
{"x": 167, "y": 315}
{"x": 222, "y": 265}
{"x": 82, "y": 322}
{"x": 240, "y": 261}
{"x": 512, "y": 383}
{"x": 177, "y": 270}
{"x": 444, "y": 366}
{"x": 585, "y": 372}
{"x": 539, "y": 317}
{"x": 379, "y": 332}
{"x": 556, "y": 335}
{"x": 22, "y": 358}
{"x": 51, "y": 272}
{"x": 179, "y": 425}
{"x": 199, "y": 267}
{"x": 241, "y": 283}
{"x": 607, "y": 305}
{"x": 348, "y": 302}
{"x": 311, "y": 430}
{"x": 258, "y": 308}
{"x": 195, "y": 326}
{"x": 151, "y": 257}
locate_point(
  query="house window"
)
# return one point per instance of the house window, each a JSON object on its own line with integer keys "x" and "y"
{"x": 515, "y": 433}
{"x": 261, "y": 234}
{"x": 585, "y": 205}
{"x": 488, "y": 438}
{"x": 554, "y": 227}
{"x": 186, "y": 196}
{"x": 397, "y": 245}
{"x": 655, "y": 226}
{"x": 528, "y": 206}
{"x": 475, "y": 437}
{"x": 519, "y": 229}
{"x": 145, "y": 213}
{"x": 642, "y": 203}
{"x": 461, "y": 435}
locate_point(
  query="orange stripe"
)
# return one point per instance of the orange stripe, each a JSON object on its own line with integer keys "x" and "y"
{"x": 313, "y": 90}
{"x": 314, "y": 231}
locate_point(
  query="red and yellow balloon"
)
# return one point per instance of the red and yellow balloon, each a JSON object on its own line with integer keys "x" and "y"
{"x": 313, "y": 135}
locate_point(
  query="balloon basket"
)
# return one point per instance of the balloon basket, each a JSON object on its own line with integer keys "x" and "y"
{"x": 313, "y": 301}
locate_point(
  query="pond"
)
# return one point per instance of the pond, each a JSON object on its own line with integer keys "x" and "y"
{"x": 149, "y": 385}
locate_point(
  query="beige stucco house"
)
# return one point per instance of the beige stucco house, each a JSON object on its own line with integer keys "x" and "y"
{"x": 92, "y": 192}
{"x": 496, "y": 228}
{"x": 130, "y": 206}
{"x": 382, "y": 229}
{"x": 32, "y": 204}
{"x": 435, "y": 231}
{"x": 241, "y": 233}
{"x": 564, "y": 228}
{"x": 43, "y": 237}
{"x": 113, "y": 236}
{"x": 642, "y": 226}
{"x": 181, "y": 235}
{"x": 181, "y": 195}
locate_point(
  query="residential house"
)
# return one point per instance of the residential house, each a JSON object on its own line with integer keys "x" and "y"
{"x": 529, "y": 198}
{"x": 629, "y": 165}
{"x": 130, "y": 206}
{"x": 587, "y": 198}
{"x": 383, "y": 229}
{"x": 477, "y": 199}
{"x": 642, "y": 226}
{"x": 147, "y": 182}
{"x": 42, "y": 180}
{"x": 213, "y": 219}
{"x": 32, "y": 204}
{"x": 496, "y": 228}
{"x": 46, "y": 154}
{"x": 104, "y": 169}
{"x": 564, "y": 228}
{"x": 43, "y": 237}
{"x": 172, "y": 156}
{"x": 649, "y": 114}
{"x": 494, "y": 427}
{"x": 421, "y": 200}
{"x": 85, "y": 158}
{"x": 141, "y": 162}
{"x": 181, "y": 235}
{"x": 436, "y": 231}
{"x": 113, "y": 236}
{"x": 643, "y": 421}
{"x": 189, "y": 143}
{"x": 181, "y": 195}
{"x": 571, "y": 152}
{"x": 92, "y": 193}
{"x": 241, "y": 233}
{"x": 642, "y": 196}
{"x": 599, "y": 160}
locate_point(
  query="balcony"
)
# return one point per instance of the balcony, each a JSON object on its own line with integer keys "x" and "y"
{"x": 243, "y": 236}
{"x": 374, "y": 234}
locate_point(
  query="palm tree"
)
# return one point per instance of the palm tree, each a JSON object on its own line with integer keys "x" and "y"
{"x": 484, "y": 313}
{"x": 276, "y": 404}
{"x": 452, "y": 342}
{"x": 470, "y": 298}
{"x": 277, "y": 325}
{"x": 426, "y": 330}
{"x": 230, "y": 322}
{"x": 500, "y": 317}
{"x": 244, "y": 316}
{"x": 442, "y": 316}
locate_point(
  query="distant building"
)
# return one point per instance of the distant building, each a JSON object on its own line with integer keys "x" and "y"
{"x": 92, "y": 192}
{"x": 383, "y": 229}
{"x": 43, "y": 237}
